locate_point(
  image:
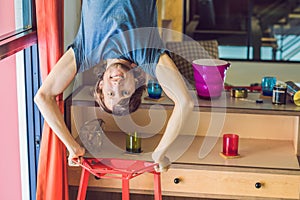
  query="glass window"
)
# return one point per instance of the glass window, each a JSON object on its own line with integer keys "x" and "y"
{"x": 270, "y": 28}
{"x": 20, "y": 21}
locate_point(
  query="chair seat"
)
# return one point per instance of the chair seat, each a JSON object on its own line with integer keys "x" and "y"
{"x": 103, "y": 167}
{"x": 115, "y": 168}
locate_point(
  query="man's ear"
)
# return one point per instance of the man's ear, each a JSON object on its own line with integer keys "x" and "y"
{"x": 100, "y": 85}
{"x": 132, "y": 65}
{"x": 98, "y": 89}
{"x": 98, "y": 93}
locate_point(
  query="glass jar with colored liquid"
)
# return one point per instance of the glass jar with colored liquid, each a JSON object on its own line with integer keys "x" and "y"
{"x": 267, "y": 84}
{"x": 154, "y": 89}
{"x": 133, "y": 143}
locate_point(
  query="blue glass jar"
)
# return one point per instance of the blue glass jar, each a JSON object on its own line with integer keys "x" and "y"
{"x": 267, "y": 85}
{"x": 154, "y": 89}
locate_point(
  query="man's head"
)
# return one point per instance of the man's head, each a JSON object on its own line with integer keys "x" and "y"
{"x": 119, "y": 89}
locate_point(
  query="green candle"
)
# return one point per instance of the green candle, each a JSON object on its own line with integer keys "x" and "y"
{"x": 133, "y": 143}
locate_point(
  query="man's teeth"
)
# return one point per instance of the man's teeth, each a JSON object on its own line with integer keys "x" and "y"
{"x": 117, "y": 76}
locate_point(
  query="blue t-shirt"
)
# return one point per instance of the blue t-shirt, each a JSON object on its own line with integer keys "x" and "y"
{"x": 125, "y": 29}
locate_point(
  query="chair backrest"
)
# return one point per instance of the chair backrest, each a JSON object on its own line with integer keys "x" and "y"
{"x": 183, "y": 53}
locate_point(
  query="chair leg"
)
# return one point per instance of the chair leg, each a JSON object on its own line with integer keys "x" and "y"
{"x": 157, "y": 187}
{"x": 84, "y": 180}
{"x": 125, "y": 189}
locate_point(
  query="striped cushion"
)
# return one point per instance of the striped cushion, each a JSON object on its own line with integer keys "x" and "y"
{"x": 183, "y": 54}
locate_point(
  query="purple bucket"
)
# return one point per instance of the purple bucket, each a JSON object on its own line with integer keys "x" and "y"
{"x": 209, "y": 75}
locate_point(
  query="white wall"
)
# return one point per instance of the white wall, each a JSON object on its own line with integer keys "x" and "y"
{"x": 245, "y": 73}
{"x": 72, "y": 13}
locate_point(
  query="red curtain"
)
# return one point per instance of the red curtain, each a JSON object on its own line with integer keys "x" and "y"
{"x": 52, "y": 169}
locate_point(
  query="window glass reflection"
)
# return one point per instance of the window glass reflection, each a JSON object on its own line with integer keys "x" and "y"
{"x": 15, "y": 15}
{"x": 269, "y": 28}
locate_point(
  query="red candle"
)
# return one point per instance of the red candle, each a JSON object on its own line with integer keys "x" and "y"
{"x": 230, "y": 144}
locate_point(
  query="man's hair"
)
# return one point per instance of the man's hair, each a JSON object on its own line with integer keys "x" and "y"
{"x": 127, "y": 105}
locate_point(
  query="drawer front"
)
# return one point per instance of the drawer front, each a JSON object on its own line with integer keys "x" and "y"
{"x": 195, "y": 182}
{"x": 231, "y": 183}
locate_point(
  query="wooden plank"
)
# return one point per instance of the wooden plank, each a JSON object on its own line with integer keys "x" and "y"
{"x": 207, "y": 181}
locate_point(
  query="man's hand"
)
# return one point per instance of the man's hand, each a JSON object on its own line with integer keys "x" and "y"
{"x": 163, "y": 165}
{"x": 77, "y": 154}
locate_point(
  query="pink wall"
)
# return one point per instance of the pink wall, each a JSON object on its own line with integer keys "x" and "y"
{"x": 10, "y": 181}
{"x": 7, "y": 19}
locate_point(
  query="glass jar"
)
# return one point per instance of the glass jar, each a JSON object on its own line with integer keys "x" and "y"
{"x": 154, "y": 89}
{"x": 279, "y": 94}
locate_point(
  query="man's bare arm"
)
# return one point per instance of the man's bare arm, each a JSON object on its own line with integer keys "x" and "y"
{"x": 176, "y": 89}
{"x": 56, "y": 82}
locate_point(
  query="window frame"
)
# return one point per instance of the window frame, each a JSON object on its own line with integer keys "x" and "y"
{"x": 23, "y": 38}
{"x": 17, "y": 41}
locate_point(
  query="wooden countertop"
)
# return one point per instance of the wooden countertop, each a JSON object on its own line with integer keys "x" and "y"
{"x": 257, "y": 153}
{"x": 226, "y": 103}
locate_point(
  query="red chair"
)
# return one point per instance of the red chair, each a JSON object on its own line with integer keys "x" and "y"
{"x": 117, "y": 169}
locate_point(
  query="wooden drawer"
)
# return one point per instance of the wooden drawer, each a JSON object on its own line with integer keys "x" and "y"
{"x": 195, "y": 182}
